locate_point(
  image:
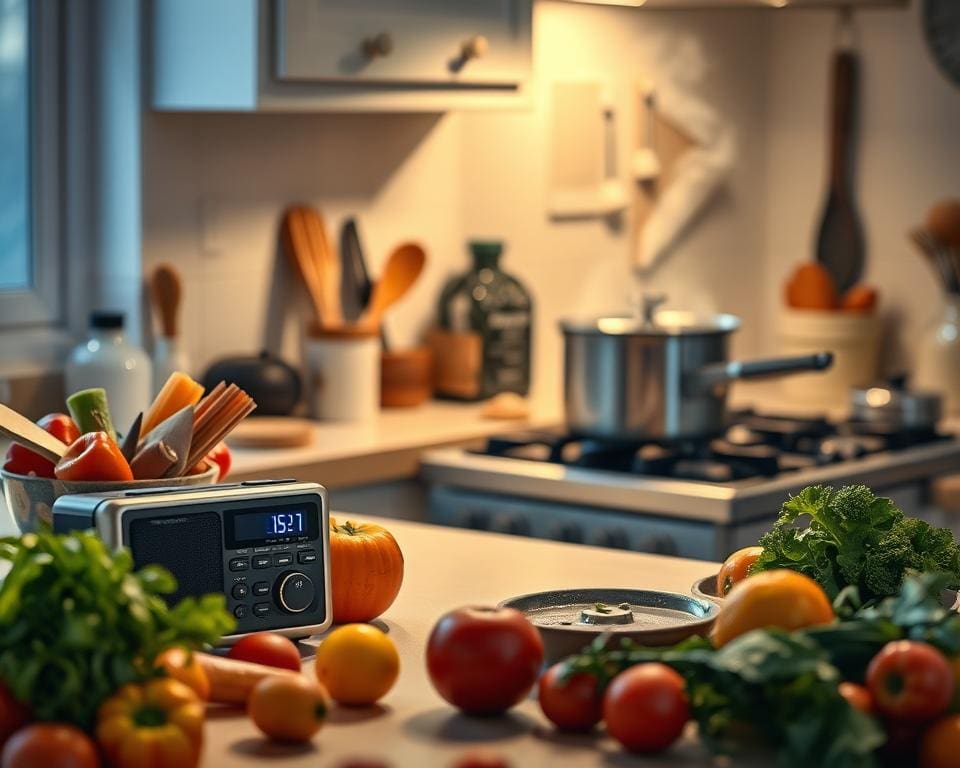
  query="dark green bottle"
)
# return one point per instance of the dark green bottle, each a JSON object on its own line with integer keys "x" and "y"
{"x": 483, "y": 346}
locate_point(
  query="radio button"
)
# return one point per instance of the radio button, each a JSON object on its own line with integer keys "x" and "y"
{"x": 295, "y": 592}
{"x": 283, "y": 559}
{"x": 239, "y": 564}
{"x": 240, "y": 611}
{"x": 261, "y": 588}
{"x": 262, "y": 561}
{"x": 239, "y": 591}
{"x": 261, "y": 609}
{"x": 305, "y": 556}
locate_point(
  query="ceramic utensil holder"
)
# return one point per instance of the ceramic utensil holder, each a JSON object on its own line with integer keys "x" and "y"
{"x": 343, "y": 374}
{"x": 852, "y": 337}
{"x": 937, "y": 362}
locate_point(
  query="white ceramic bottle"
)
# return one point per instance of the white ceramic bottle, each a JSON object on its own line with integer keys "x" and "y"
{"x": 106, "y": 359}
{"x": 937, "y": 367}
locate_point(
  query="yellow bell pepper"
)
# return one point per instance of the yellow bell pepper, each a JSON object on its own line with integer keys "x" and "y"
{"x": 157, "y": 724}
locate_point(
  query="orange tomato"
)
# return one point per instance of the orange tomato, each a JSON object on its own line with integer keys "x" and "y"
{"x": 182, "y": 665}
{"x": 357, "y": 664}
{"x": 811, "y": 287}
{"x": 49, "y": 745}
{"x": 289, "y": 707}
{"x": 858, "y": 697}
{"x": 779, "y": 598}
{"x": 735, "y": 568}
{"x": 366, "y": 571}
{"x": 940, "y": 743}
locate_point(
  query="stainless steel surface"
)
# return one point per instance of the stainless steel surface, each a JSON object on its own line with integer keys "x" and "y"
{"x": 896, "y": 407}
{"x": 734, "y": 503}
{"x": 664, "y": 376}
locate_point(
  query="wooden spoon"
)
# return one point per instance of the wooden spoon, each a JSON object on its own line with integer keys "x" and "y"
{"x": 328, "y": 266}
{"x": 401, "y": 271}
{"x": 296, "y": 242}
{"x": 23, "y": 431}
{"x": 166, "y": 289}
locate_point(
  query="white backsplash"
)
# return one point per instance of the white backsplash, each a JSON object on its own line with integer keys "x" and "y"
{"x": 215, "y": 184}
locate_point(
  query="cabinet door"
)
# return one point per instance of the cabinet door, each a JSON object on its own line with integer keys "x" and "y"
{"x": 404, "y": 43}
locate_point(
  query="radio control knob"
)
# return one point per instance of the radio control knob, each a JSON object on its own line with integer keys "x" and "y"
{"x": 295, "y": 592}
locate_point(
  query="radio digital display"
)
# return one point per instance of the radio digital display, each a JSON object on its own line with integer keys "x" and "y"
{"x": 262, "y": 526}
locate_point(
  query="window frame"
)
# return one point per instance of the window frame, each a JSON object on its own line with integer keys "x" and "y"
{"x": 41, "y": 305}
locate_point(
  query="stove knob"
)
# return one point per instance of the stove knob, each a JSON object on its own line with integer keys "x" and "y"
{"x": 477, "y": 521}
{"x": 658, "y": 545}
{"x": 514, "y": 525}
{"x": 569, "y": 532}
{"x": 295, "y": 592}
{"x": 612, "y": 538}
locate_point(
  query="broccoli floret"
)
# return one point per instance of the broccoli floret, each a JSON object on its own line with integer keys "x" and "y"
{"x": 934, "y": 549}
{"x": 885, "y": 564}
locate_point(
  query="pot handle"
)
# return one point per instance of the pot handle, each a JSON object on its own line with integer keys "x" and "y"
{"x": 720, "y": 373}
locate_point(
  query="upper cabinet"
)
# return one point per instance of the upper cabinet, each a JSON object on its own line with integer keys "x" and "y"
{"x": 340, "y": 55}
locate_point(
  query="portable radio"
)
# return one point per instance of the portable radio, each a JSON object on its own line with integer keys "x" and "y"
{"x": 265, "y": 544}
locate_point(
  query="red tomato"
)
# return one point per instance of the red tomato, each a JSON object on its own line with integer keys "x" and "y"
{"x": 646, "y": 707}
{"x": 858, "y": 697}
{"x": 23, "y": 461}
{"x": 940, "y": 744}
{"x": 13, "y": 714}
{"x": 484, "y": 660}
{"x": 481, "y": 758}
{"x": 571, "y": 704}
{"x": 910, "y": 681}
{"x": 49, "y": 745}
{"x": 267, "y": 648}
{"x": 221, "y": 456}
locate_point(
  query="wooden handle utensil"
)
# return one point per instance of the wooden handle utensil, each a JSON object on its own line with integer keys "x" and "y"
{"x": 24, "y": 432}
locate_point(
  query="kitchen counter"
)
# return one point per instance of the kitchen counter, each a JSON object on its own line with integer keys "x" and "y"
{"x": 344, "y": 454}
{"x": 414, "y": 727}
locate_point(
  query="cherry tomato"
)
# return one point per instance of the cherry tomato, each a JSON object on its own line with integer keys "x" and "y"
{"x": 910, "y": 681}
{"x": 940, "y": 744}
{"x": 484, "y": 660}
{"x": 481, "y": 758}
{"x": 646, "y": 707}
{"x": 572, "y": 703}
{"x": 13, "y": 714}
{"x": 49, "y": 745}
{"x": 858, "y": 697}
{"x": 221, "y": 456}
{"x": 23, "y": 461}
{"x": 267, "y": 648}
{"x": 289, "y": 708}
{"x": 735, "y": 568}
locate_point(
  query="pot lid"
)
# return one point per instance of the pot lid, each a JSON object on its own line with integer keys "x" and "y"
{"x": 666, "y": 322}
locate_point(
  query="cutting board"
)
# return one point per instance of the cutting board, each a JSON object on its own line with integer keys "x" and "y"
{"x": 272, "y": 432}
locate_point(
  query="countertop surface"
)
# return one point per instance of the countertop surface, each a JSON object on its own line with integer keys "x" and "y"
{"x": 413, "y": 727}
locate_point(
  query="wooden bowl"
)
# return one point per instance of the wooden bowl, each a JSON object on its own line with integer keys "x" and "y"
{"x": 706, "y": 589}
{"x": 31, "y": 498}
{"x": 406, "y": 378}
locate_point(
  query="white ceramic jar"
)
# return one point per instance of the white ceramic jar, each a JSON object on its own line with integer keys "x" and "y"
{"x": 106, "y": 359}
{"x": 343, "y": 374}
{"x": 937, "y": 363}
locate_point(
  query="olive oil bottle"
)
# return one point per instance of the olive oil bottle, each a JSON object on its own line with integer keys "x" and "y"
{"x": 482, "y": 345}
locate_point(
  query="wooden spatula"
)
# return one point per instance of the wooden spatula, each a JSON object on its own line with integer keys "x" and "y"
{"x": 401, "y": 271}
{"x": 166, "y": 290}
{"x": 296, "y": 243}
{"x": 328, "y": 265}
{"x": 23, "y": 431}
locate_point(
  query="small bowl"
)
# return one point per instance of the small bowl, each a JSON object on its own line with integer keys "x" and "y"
{"x": 31, "y": 498}
{"x": 706, "y": 589}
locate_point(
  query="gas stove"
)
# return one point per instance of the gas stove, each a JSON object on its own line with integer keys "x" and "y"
{"x": 698, "y": 498}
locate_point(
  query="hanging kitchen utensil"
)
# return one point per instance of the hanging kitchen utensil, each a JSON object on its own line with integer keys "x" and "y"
{"x": 646, "y": 161}
{"x": 840, "y": 246}
{"x": 356, "y": 285}
{"x": 401, "y": 271}
{"x": 24, "y": 432}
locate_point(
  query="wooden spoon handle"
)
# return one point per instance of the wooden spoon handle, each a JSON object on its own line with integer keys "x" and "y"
{"x": 841, "y": 129}
{"x": 297, "y": 245}
{"x": 23, "y": 431}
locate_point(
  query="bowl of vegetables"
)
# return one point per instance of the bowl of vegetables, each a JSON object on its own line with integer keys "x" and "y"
{"x": 176, "y": 442}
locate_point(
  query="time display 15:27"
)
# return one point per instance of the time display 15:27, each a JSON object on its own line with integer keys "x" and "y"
{"x": 285, "y": 524}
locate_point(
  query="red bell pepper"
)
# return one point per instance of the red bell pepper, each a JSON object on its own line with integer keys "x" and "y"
{"x": 93, "y": 456}
{"x": 23, "y": 461}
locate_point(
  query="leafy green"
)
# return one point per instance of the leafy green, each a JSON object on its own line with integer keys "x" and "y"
{"x": 856, "y": 538}
{"x": 783, "y": 685}
{"x": 76, "y": 622}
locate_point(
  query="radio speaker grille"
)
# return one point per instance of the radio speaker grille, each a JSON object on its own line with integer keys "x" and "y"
{"x": 189, "y": 546}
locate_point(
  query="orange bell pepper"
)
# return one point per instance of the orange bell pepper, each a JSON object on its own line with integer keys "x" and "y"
{"x": 93, "y": 456}
{"x": 157, "y": 724}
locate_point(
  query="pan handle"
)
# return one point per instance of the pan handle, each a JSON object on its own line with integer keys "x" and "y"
{"x": 707, "y": 377}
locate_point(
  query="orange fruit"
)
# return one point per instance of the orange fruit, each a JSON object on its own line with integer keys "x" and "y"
{"x": 940, "y": 743}
{"x": 288, "y": 707}
{"x": 357, "y": 664}
{"x": 781, "y": 598}
{"x": 182, "y": 665}
{"x": 735, "y": 567}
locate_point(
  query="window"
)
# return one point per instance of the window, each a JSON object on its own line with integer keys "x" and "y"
{"x": 29, "y": 164}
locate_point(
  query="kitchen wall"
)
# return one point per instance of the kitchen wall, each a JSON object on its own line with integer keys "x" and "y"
{"x": 214, "y": 185}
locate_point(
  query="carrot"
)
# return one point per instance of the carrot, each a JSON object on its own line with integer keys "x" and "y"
{"x": 231, "y": 681}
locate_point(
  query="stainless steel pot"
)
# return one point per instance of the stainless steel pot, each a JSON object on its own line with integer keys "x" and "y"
{"x": 892, "y": 407}
{"x": 664, "y": 376}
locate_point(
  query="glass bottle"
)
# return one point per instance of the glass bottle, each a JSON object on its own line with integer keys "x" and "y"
{"x": 483, "y": 344}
